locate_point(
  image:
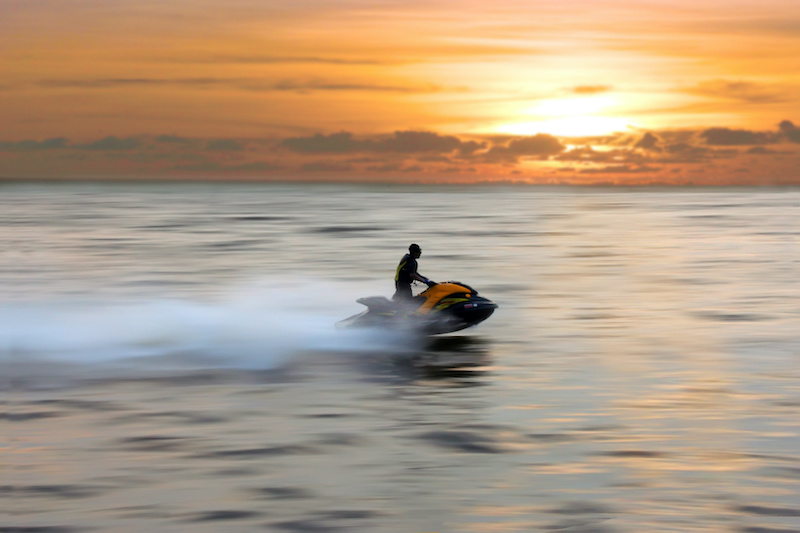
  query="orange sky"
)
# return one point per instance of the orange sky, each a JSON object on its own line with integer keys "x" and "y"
{"x": 553, "y": 91}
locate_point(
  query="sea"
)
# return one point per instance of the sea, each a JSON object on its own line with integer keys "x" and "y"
{"x": 169, "y": 360}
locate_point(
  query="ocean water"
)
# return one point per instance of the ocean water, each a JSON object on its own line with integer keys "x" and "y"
{"x": 169, "y": 362}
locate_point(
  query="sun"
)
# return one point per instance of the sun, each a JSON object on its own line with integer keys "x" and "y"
{"x": 569, "y": 117}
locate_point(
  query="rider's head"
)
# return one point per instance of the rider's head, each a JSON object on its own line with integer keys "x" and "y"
{"x": 415, "y": 250}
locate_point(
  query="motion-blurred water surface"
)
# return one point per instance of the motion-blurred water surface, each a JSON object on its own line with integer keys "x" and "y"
{"x": 169, "y": 360}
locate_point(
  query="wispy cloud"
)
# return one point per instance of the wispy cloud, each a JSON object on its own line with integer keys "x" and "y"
{"x": 245, "y": 84}
{"x": 260, "y": 59}
{"x": 111, "y": 143}
{"x": 215, "y": 167}
{"x": 225, "y": 145}
{"x": 591, "y": 89}
{"x": 744, "y": 91}
{"x": 174, "y": 139}
{"x": 105, "y": 83}
{"x": 326, "y": 166}
{"x": 619, "y": 169}
{"x": 735, "y": 137}
{"x": 319, "y": 85}
{"x": 55, "y": 143}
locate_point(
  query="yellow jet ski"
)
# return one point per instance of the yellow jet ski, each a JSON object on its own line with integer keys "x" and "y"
{"x": 442, "y": 308}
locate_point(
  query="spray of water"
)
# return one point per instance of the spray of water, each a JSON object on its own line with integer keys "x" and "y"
{"x": 257, "y": 326}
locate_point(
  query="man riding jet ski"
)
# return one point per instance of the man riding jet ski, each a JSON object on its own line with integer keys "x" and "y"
{"x": 441, "y": 308}
{"x": 407, "y": 274}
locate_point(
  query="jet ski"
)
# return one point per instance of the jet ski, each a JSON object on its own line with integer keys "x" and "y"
{"x": 442, "y": 308}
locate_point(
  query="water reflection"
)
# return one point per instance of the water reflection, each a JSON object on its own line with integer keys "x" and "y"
{"x": 460, "y": 360}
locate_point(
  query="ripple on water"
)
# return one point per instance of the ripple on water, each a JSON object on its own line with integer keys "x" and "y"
{"x": 174, "y": 417}
{"x": 24, "y": 417}
{"x": 267, "y": 451}
{"x": 634, "y": 454}
{"x": 81, "y": 405}
{"x": 304, "y": 526}
{"x": 66, "y": 492}
{"x": 325, "y": 521}
{"x": 344, "y": 229}
{"x": 223, "y": 515}
{"x": 283, "y": 493}
{"x": 462, "y": 441}
{"x": 154, "y": 443}
{"x": 732, "y": 317}
{"x": 575, "y": 508}
{"x": 768, "y": 530}
{"x": 763, "y": 510}
{"x": 37, "y": 529}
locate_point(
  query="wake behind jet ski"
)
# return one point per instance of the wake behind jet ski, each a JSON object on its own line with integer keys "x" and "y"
{"x": 442, "y": 308}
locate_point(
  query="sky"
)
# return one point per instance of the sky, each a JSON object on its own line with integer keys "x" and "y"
{"x": 627, "y": 92}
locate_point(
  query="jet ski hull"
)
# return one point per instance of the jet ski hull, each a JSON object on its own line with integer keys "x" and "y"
{"x": 443, "y": 308}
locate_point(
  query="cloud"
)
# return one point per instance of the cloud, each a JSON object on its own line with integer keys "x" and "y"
{"x": 212, "y": 166}
{"x": 173, "y": 139}
{"x": 456, "y": 170}
{"x": 470, "y": 147}
{"x": 761, "y": 150}
{"x": 111, "y": 143}
{"x": 619, "y": 169}
{"x": 402, "y": 142}
{"x": 732, "y": 137}
{"x": 422, "y": 141}
{"x": 541, "y": 144}
{"x": 649, "y": 142}
{"x": 326, "y": 166}
{"x": 682, "y": 152}
{"x": 389, "y": 167}
{"x": 317, "y": 85}
{"x": 743, "y": 91}
{"x": 790, "y": 131}
{"x": 246, "y": 84}
{"x": 635, "y": 153}
{"x": 105, "y": 83}
{"x": 434, "y": 159}
{"x": 257, "y": 59}
{"x": 587, "y": 154}
{"x": 591, "y": 89}
{"x": 224, "y": 145}
{"x": 55, "y": 143}
{"x": 199, "y": 167}
{"x": 341, "y": 142}
{"x": 685, "y": 153}
{"x": 258, "y": 166}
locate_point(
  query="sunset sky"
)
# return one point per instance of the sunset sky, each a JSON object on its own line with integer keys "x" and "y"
{"x": 552, "y": 91}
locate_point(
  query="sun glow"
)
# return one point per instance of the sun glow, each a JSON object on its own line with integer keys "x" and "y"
{"x": 567, "y": 127}
{"x": 569, "y": 117}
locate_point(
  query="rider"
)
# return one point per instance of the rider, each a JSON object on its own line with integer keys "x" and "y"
{"x": 407, "y": 273}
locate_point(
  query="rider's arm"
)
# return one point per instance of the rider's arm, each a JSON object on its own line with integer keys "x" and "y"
{"x": 423, "y": 279}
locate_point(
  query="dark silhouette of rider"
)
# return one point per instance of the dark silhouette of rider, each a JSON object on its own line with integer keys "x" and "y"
{"x": 407, "y": 273}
